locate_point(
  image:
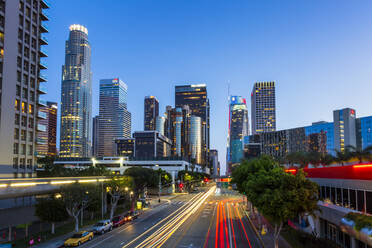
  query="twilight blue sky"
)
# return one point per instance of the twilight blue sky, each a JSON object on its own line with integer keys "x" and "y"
{"x": 318, "y": 52}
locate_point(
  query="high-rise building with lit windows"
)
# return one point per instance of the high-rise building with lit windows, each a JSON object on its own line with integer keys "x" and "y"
{"x": 22, "y": 82}
{"x": 238, "y": 129}
{"x": 177, "y": 128}
{"x": 195, "y": 96}
{"x": 76, "y": 96}
{"x": 344, "y": 121}
{"x": 263, "y": 107}
{"x": 114, "y": 118}
{"x": 151, "y": 112}
{"x": 49, "y": 136}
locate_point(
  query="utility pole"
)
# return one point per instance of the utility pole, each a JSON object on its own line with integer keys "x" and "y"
{"x": 102, "y": 200}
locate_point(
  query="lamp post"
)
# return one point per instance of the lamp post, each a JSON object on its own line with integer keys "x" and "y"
{"x": 159, "y": 182}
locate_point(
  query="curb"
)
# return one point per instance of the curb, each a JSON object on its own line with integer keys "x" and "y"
{"x": 254, "y": 228}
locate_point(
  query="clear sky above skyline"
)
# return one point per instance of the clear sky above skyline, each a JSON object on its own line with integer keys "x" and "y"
{"x": 318, "y": 52}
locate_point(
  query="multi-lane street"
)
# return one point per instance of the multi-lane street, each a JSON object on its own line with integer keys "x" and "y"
{"x": 209, "y": 218}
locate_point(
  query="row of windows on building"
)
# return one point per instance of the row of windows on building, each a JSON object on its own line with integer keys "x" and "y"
{"x": 360, "y": 200}
{"x": 23, "y": 120}
{"x": 21, "y": 149}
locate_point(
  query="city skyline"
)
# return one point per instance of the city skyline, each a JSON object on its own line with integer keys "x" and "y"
{"x": 318, "y": 70}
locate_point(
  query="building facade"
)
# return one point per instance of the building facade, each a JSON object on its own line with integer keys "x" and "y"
{"x": 95, "y": 136}
{"x": 196, "y": 139}
{"x": 114, "y": 118}
{"x": 364, "y": 132}
{"x": 151, "y": 145}
{"x": 238, "y": 128}
{"x": 178, "y": 128}
{"x": 263, "y": 107}
{"x": 125, "y": 147}
{"x": 22, "y": 60}
{"x": 76, "y": 96}
{"x": 151, "y": 113}
{"x": 344, "y": 121}
{"x": 49, "y": 136}
{"x": 214, "y": 162}
{"x": 195, "y": 96}
{"x": 320, "y": 128}
{"x": 160, "y": 124}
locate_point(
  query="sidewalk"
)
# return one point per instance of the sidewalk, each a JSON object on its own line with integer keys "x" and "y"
{"x": 58, "y": 241}
{"x": 268, "y": 238}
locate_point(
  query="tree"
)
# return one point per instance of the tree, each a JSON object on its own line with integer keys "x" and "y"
{"x": 51, "y": 210}
{"x": 117, "y": 188}
{"x": 77, "y": 197}
{"x": 277, "y": 195}
{"x": 343, "y": 156}
{"x": 360, "y": 153}
{"x": 326, "y": 159}
{"x": 142, "y": 177}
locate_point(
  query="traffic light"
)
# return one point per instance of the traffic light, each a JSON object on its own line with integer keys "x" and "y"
{"x": 206, "y": 179}
{"x": 181, "y": 185}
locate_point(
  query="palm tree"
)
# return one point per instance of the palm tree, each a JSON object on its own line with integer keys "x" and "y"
{"x": 326, "y": 159}
{"x": 360, "y": 153}
{"x": 343, "y": 156}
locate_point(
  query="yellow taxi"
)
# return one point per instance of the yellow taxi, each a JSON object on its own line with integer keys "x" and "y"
{"x": 79, "y": 238}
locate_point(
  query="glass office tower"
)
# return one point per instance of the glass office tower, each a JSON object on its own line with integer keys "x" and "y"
{"x": 49, "y": 136}
{"x": 76, "y": 98}
{"x": 238, "y": 128}
{"x": 196, "y": 139}
{"x": 114, "y": 118}
{"x": 263, "y": 107}
{"x": 151, "y": 112}
{"x": 195, "y": 96}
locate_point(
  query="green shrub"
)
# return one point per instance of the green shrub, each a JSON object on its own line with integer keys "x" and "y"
{"x": 361, "y": 220}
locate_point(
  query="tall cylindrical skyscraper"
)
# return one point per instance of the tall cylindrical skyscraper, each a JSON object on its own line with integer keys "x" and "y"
{"x": 76, "y": 98}
{"x": 160, "y": 124}
{"x": 196, "y": 139}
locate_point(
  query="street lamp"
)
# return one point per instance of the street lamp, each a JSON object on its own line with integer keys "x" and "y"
{"x": 126, "y": 188}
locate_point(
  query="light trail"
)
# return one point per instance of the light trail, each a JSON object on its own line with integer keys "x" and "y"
{"x": 226, "y": 231}
{"x": 217, "y": 219}
{"x": 241, "y": 222}
{"x": 177, "y": 212}
{"x": 160, "y": 236}
{"x": 181, "y": 219}
{"x": 232, "y": 225}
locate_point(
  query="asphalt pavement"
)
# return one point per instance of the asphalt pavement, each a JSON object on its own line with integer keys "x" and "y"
{"x": 209, "y": 218}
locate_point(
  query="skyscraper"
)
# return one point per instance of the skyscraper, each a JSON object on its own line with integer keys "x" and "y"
{"x": 160, "y": 124}
{"x": 195, "y": 96}
{"x": 151, "y": 112}
{"x": 344, "y": 121}
{"x": 95, "y": 136}
{"x": 177, "y": 129}
{"x": 76, "y": 97}
{"x": 263, "y": 107}
{"x": 238, "y": 128}
{"x": 22, "y": 54}
{"x": 49, "y": 137}
{"x": 114, "y": 118}
{"x": 196, "y": 139}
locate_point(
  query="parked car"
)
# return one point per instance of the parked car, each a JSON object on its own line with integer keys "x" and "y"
{"x": 79, "y": 238}
{"x": 118, "y": 220}
{"x": 134, "y": 214}
{"x": 102, "y": 226}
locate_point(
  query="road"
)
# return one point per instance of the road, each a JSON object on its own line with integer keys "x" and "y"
{"x": 203, "y": 219}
